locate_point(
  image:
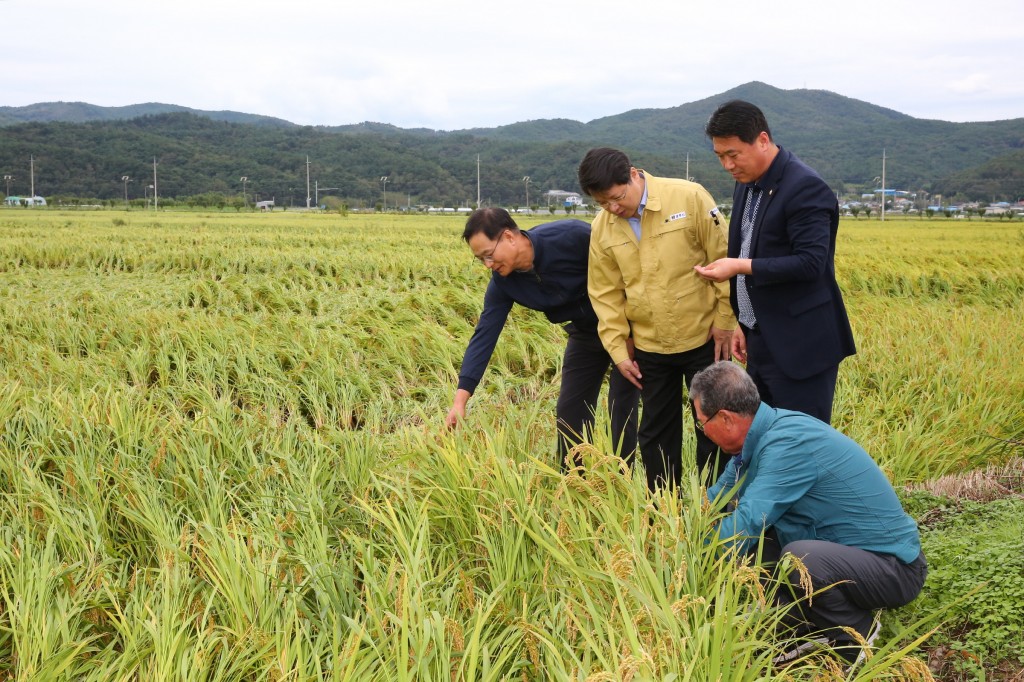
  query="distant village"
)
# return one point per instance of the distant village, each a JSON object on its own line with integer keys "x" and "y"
{"x": 896, "y": 202}
{"x": 910, "y": 203}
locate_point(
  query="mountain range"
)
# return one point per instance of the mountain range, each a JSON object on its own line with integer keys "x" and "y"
{"x": 83, "y": 150}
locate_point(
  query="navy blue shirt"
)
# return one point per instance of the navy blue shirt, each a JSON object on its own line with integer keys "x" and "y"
{"x": 556, "y": 286}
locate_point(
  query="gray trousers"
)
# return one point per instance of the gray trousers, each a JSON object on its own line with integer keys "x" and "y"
{"x": 861, "y": 582}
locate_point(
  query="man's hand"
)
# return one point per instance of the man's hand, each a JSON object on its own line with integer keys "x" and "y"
{"x": 631, "y": 370}
{"x": 739, "y": 345}
{"x": 723, "y": 343}
{"x": 458, "y": 410}
{"x": 724, "y": 269}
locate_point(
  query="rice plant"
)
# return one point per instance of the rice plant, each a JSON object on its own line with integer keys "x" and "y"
{"x": 221, "y": 458}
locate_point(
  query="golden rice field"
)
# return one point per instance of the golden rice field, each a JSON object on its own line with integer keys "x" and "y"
{"x": 222, "y": 457}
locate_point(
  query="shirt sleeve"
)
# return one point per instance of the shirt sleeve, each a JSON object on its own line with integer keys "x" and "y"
{"x": 725, "y": 481}
{"x": 497, "y": 306}
{"x": 608, "y": 297}
{"x": 808, "y": 229}
{"x": 783, "y": 477}
{"x": 713, "y": 232}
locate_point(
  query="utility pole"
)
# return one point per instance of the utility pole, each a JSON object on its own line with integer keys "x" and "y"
{"x": 156, "y": 201}
{"x": 32, "y": 176}
{"x": 384, "y": 181}
{"x": 307, "y": 182}
{"x": 526, "y": 181}
{"x": 245, "y": 200}
{"x": 125, "y": 179}
{"x": 478, "y": 181}
{"x": 883, "y": 184}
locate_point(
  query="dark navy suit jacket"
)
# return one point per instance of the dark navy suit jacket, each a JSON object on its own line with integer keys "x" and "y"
{"x": 556, "y": 286}
{"x": 793, "y": 289}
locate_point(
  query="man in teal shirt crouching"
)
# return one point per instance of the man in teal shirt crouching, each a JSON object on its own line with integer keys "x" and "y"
{"x": 817, "y": 495}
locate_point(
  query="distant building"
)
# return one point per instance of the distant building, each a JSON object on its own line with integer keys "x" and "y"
{"x": 25, "y": 201}
{"x": 265, "y": 205}
{"x": 561, "y": 197}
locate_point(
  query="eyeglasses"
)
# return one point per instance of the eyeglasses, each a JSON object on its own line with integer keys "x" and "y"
{"x": 701, "y": 424}
{"x": 614, "y": 200}
{"x": 488, "y": 256}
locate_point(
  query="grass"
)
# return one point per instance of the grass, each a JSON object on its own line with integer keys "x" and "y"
{"x": 221, "y": 458}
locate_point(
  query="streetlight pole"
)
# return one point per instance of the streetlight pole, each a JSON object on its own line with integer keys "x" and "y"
{"x": 317, "y": 190}
{"x": 384, "y": 181}
{"x": 526, "y": 182}
{"x": 244, "y": 179}
{"x": 883, "y": 185}
{"x": 7, "y": 179}
{"x": 125, "y": 179}
{"x": 307, "y": 182}
{"x": 876, "y": 181}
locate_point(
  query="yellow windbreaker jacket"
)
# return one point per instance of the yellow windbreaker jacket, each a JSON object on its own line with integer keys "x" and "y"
{"x": 649, "y": 286}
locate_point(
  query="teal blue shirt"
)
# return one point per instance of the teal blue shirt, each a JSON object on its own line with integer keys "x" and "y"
{"x": 810, "y": 482}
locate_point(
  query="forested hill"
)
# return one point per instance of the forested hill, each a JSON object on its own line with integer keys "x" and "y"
{"x": 89, "y": 149}
{"x": 80, "y": 112}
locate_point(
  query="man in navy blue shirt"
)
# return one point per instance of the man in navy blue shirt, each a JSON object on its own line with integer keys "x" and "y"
{"x": 545, "y": 269}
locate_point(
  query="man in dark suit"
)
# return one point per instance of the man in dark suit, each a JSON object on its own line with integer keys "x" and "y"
{"x": 793, "y": 330}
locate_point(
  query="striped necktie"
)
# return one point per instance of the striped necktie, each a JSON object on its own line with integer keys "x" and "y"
{"x": 750, "y": 207}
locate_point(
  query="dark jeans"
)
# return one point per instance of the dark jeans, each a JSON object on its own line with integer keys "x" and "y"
{"x": 861, "y": 581}
{"x": 811, "y": 396}
{"x": 661, "y": 425}
{"x": 584, "y": 367}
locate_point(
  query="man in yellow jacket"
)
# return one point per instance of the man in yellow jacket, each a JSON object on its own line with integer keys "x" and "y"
{"x": 660, "y": 321}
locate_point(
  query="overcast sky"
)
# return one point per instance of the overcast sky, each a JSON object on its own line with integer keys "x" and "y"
{"x": 454, "y": 64}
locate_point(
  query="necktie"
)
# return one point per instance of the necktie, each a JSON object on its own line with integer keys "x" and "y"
{"x": 750, "y": 207}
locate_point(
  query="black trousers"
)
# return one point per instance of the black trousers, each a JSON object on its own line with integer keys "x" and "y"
{"x": 661, "y": 424}
{"x": 861, "y": 581}
{"x": 584, "y": 367}
{"x": 812, "y": 395}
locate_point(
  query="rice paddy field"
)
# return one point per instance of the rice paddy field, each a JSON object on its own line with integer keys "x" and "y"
{"x": 222, "y": 457}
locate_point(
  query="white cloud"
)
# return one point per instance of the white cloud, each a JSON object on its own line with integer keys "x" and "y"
{"x": 457, "y": 64}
